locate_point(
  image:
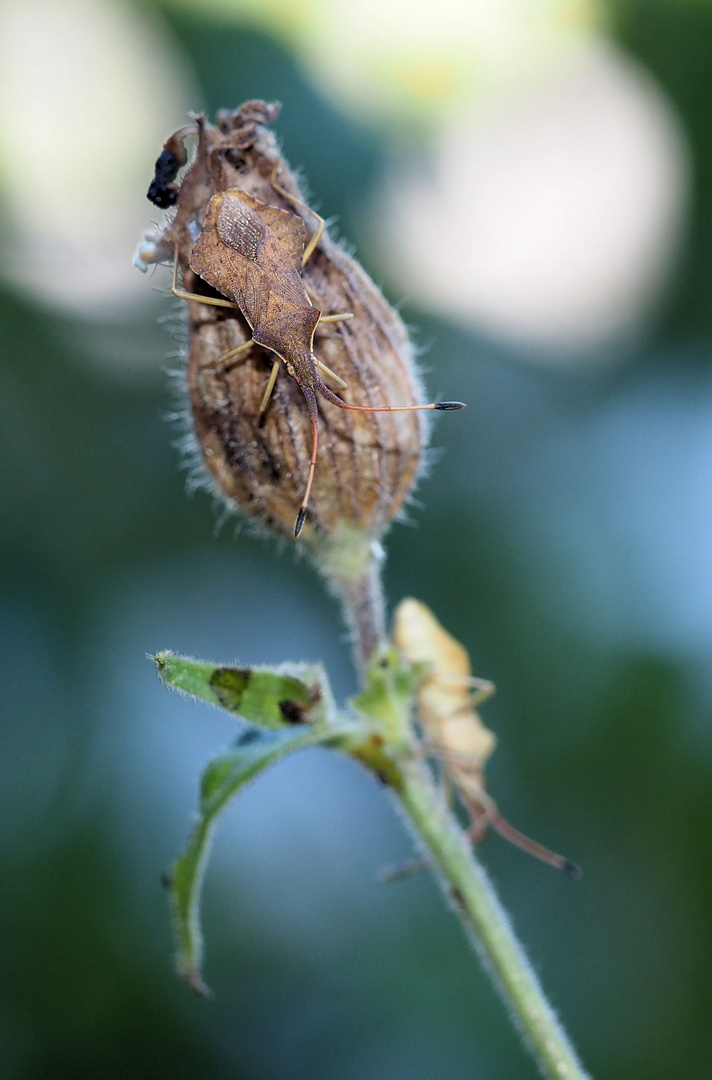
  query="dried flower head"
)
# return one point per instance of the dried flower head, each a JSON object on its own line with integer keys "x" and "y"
{"x": 259, "y": 457}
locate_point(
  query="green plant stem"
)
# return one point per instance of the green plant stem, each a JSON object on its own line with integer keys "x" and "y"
{"x": 350, "y": 562}
{"x": 352, "y": 567}
{"x": 486, "y": 923}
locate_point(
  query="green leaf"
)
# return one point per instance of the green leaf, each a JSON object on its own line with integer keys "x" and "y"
{"x": 253, "y": 752}
{"x": 387, "y": 693}
{"x": 269, "y": 697}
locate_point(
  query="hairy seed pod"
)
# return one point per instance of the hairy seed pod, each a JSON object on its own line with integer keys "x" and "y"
{"x": 367, "y": 462}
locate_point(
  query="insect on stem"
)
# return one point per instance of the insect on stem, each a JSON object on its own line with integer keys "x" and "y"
{"x": 240, "y": 223}
{"x": 454, "y": 733}
{"x": 254, "y": 253}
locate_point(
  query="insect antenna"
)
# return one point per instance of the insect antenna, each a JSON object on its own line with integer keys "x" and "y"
{"x": 514, "y": 836}
{"x": 332, "y": 397}
{"x": 314, "y": 417}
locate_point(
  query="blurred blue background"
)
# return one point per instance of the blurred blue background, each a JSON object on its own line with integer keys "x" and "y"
{"x": 538, "y": 187}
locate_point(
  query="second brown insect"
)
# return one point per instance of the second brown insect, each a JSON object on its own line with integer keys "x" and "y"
{"x": 253, "y": 254}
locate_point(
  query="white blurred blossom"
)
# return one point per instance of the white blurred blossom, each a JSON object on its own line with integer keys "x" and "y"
{"x": 551, "y": 217}
{"x": 89, "y": 91}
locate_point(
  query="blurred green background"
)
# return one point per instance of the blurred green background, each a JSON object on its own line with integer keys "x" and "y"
{"x": 564, "y": 534}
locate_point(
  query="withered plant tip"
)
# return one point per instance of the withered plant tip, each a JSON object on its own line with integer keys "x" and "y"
{"x": 253, "y": 254}
{"x": 162, "y": 191}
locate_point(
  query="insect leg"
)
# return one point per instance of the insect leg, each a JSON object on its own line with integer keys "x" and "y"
{"x": 318, "y": 232}
{"x": 402, "y": 870}
{"x": 270, "y": 384}
{"x": 316, "y": 237}
{"x": 214, "y": 301}
{"x": 222, "y": 361}
{"x": 478, "y": 827}
{"x": 340, "y": 316}
{"x": 482, "y": 689}
{"x": 332, "y": 375}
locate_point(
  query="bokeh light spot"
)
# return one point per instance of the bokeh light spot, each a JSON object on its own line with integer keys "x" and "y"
{"x": 88, "y": 103}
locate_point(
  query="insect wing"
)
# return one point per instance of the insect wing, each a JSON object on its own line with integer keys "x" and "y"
{"x": 241, "y": 255}
{"x": 288, "y": 228}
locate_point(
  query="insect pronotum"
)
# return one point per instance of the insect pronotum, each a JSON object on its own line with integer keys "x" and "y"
{"x": 253, "y": 254}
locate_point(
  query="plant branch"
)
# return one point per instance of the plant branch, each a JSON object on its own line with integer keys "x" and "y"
{"x": 350, "y": 562}
{"x": 467, "y": 886}
{"x": 386, "y": 700}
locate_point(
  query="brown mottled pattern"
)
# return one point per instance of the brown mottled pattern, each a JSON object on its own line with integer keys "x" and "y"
{"x": 367, "y": 462}
{"x": 242, "y": 228}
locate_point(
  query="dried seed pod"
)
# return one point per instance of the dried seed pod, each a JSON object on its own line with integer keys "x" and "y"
{"x": 368, "y": 462}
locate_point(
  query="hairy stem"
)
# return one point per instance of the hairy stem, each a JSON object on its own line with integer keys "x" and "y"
{"x": 362, "y": 601}
{"x": 351, "y": 563}
{"x": 467, "y": 886}
{"x": 352, "y": 567}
